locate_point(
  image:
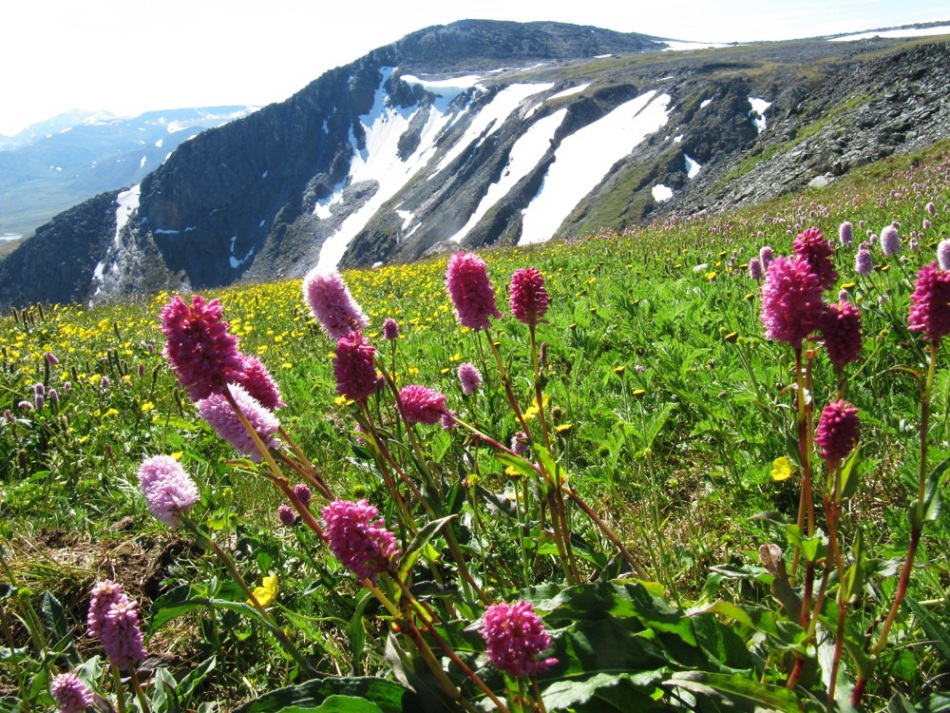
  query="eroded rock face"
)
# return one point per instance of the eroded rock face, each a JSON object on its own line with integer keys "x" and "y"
{"x": 264, "y": 196}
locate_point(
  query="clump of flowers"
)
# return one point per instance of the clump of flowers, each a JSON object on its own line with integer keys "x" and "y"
{"x": 846, "y": 233}
{"x": 528, "y": 297}
{"x": 226, "y": 423}
{"x": 390, "y": 329}
{"x": 332, "y": 304}
{"x": 466, "y": 278}
{"x": 169, "y": 491}
{"x": 814, "y": 249}
{"x": 421, "y": 404}
{"x": 792, "y": 306}
{"x": 114, "y": 620}
{"x": 361, "y": 542}
{"x": 199, "y": 347}
{"x": 755, "y": 268}
{"x": 354, "y": 367}
{"x": 71, "y": 694}
{"x": 515, "y": 638}
{"x": 863, "y": 261}
{"x": 837, "y": 432}
{"x": 930, "y": 308}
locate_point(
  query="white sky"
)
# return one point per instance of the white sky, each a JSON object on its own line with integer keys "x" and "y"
{"x": 132, "y": 56}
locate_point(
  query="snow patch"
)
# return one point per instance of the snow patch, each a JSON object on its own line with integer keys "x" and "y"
{"x": 584, "y": 158}
{"x": 128, "y": 203}
{"x": 490, "y": 119}
{"x": 661, "y": 193}
{"x": 683, "y": 46}
{"x": 380, "y": 162}
{"x": 569, "y": 92}
{"x": 407, "y": 216}
{"x": 143, "y": 161}
{"x": 158, "y": 144}
{"x": 759, "y": 107}
{"x": 525, "y": 155}
{"x": 692, "y": 166}
{"x": 903, "y": 32}
{"x": 236, "y": 262}
{"x": 704, "y": 103}
{"x": 677, "y": 139}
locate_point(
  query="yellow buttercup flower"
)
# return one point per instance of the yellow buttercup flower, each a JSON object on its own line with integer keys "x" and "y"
{"x": 267, "y": 592}
{"x": 782, "y": 469}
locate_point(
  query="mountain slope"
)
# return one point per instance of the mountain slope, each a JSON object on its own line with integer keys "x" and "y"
{"x": 484, "y": 132}
{"x": 57, "y": 164}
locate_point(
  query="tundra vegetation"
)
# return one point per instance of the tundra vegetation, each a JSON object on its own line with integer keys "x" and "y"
{"x": 652, "y": 470}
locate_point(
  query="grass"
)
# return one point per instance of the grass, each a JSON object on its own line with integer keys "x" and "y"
{"x": 668, "y": 409}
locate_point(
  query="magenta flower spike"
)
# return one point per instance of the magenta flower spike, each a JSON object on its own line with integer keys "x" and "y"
{"x": 755, "y": 268}
{"x": 837, "y": 432}
{"x": 791, "y": 307}
{"x": 422, "y": 405}
{"x": 930, "y": 308}
{"x": 354, "y": 367}
{"x": 472, "y": 294}
{"x": 361, "y": 542}
{"x": 841, "y": 329}
{"x": 863, "y": 262}
{"x": 528, "y": 297}
{"x": 114, "y": 620}
{"x": 515, "y": 637}
{"x": 814, "y": 249}
{"x": 286, "y": 515}
{"x": 332, "y": 304}
{"x": 71, "y": 694}
{"x": 169, "y": 491}
{"x": 766, "y": 256}
{"x": 199, "y": 347}
{"x": 220, "y": 416}
{"x": 390, "y": 329}
{"x": 470, "y": 378}
{"x": 259, "y": 383}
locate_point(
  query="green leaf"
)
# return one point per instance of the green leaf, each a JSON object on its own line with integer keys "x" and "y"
{"x": 418, "y": 543}
{"x": 606, "y": 692}
{"x": 338, "y": 695}
{"x": 54, "y": 617}
{"x": 850, "y": 475}
{"x": 731, "y": 687}
{"x": 520, "y": 465}
{"x": 936, "y": 631}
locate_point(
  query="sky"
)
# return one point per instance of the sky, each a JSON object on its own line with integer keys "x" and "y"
{"x": 133, "y": 56}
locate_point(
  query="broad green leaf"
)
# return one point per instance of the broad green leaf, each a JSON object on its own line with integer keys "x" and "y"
{"x": 342, "y": 695}
{"x": 731, "y": 687}
{"x": 850, "y": 475}
{"x": 418, "y": 543}
{"x": 54, "y": 617}
{"x": 606, "y": 692}
{"x": 936, "y": 632}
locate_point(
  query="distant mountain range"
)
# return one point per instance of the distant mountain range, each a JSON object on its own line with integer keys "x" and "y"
{"x": 53, "y": 165}
{"x": 481, "y": 133}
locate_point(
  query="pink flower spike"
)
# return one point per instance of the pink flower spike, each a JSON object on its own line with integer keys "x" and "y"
{"x": 930, "y": 308}
{"x": 114, "y": 620}
{"x": 71, "y": 694}
{"x": 354, "y": 367}
{"x": 515, "y": 637}
{"x": 199, "y": 347}
{"x": 332, "y": 304}
{"x": 791, "y": 307}
{"x": 812, "y": 247}
{"x": 169, "y": 491}
{"x": 472, "y": 294}
{"x": 221, "y": 417}
{"x": 841, "y": 328}
{"x": 470, "y": 378}
{"x": 528, "y": 296}
{"x": 422, "y": 405}
{"x": 837, "y": 432}
{"x": 361, "y": 542}
{"x": 258, "y": 382}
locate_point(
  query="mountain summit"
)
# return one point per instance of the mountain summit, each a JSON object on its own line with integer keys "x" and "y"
{"x": 483, "y": 133}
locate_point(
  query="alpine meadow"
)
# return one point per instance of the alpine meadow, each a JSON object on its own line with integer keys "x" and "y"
{"x": 692, "y": 464}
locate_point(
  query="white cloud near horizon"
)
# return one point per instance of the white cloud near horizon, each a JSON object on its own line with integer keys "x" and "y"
{"x": 131, "y": 56}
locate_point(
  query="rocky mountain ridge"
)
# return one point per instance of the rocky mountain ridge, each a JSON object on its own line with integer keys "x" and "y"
{"x": 484, "y": 133}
